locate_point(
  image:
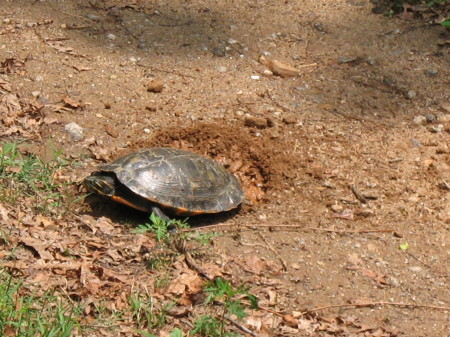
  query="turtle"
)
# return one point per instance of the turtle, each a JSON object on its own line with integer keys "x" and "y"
{"x": 168, "y": 181}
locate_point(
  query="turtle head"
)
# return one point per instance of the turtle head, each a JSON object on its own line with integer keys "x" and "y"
{"x": 101, "y": 184}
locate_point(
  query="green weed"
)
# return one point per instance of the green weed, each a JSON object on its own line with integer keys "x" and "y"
{"x": 145, "y": 313}
{"x": 27, "y": 176}
{"x": 222, "y": 291}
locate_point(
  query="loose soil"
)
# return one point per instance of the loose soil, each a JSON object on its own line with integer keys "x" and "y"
{"x": 341, "y": 165}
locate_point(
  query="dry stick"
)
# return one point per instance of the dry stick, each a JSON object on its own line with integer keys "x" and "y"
{"x": 294, "y": 226}
{"x": 164, "y": 71}
{"x": 274, "y": 251}
{"x": 179, "y": 246}
{"x": 274, "y": 101}
{"x": 358, "y": 194}
{"x": 371, "y": 304}
{"x": 240, "y": 326}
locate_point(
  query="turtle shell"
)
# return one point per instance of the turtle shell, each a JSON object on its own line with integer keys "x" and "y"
{"x": 182, "y": 181}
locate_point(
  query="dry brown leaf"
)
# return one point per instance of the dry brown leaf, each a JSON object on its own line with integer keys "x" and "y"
{"x": 376, "y": 276}
{"x": 104, "y": 225}
{"x": 253, "y": 264}
{"x": 212, "y": 269}
{"x": 279, "y": 68}
{"x": 10, "y": 108}
{"x": 4, "y": 214}
{"x": 111, "y": 275}
{"x": 5, "y": 86}
{"x": 70, "y": 103}
{"x": 114, "y": 254}
{"x": 355, "y": 260}
{"x": 39, "y": 246}
{"x": 81, "y": 68}
{"x": 346, "y": 214}
{"x": 89, "y": 280}
{"x": 100, "y": 153}
{"x": 254, "y": 322}
{"x": 179, "y": 311}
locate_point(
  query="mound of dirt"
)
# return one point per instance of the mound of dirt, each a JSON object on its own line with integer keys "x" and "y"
{"x": 261, "y": 163}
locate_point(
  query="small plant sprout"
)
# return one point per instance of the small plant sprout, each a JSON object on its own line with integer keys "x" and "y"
{"x": 222, "y": 291}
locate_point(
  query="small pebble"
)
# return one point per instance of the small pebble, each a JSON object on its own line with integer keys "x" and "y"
{"x": 420, "y": 120}
{"x": 370, "y": 61}
{"x": 133, "y": 59}
{"x": 232, "y": 41}
{"x": 415, "y": 142}
{"x": 430, "y": 118}
{"x": 221, "y": 69}
{"x": 437, "y": 128}
{"x": 295, "y": 266}
{"x": 337, "y": 208}
{"x": 93, "y": 17}
{"x": 155, "y": 85}
{"x": 413, "y": 199}
{"x": 36, "y": 93}
{"x": 431, "y": 72}
{"x": 255, "y": 77}
{"x": 394, "y": 281}
{"x": 444, "y": 118}
{"x": 410, "y": 94}
{"x": 219, "y": 52}
{"x": 111, "y": 36}
{"x": 446, "y": 106}
{"x": 74, "y": 130}
{"x": 256, "y": 122}
{"x": 415, "y": 269}
{"x": 147, "y": 131}
{"x": 289, "y": 119}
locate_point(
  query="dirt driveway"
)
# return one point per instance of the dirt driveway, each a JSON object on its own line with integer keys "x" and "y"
{"x": 342, "y": 164}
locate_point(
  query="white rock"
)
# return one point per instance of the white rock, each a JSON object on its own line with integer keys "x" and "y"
{"x": 420, "y": 120}
{"x": 74, "y": 130}
{"x": 221, "y": 69}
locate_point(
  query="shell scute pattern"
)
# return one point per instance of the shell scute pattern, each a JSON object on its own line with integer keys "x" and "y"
{"x": 178, "y": 179}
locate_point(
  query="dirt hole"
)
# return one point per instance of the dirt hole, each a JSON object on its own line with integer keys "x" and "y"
{"x": 261, "y": 163}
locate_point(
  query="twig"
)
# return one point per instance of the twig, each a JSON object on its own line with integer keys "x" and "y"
{"x": 306, "y": 65}
{"x": 284, "y": 108}
{"x": 300, "y": 227}
{"x": 358, "y": 194}
{"x": 443, "y": 274}
{"x": 179, "y": 247}
{"x": 164, "y": 71}
{"x": 274, "y": 251}
{"x": 371, "y": 304}
{"x": 240, "y": 326}
{"x": 79, "y": 17}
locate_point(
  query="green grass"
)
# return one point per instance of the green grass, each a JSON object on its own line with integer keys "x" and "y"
{"x": 221, "y": 290}
{"x": 25, "y": 315}
{"x": 27, "y": 177}
{"x": 145, "y": 314}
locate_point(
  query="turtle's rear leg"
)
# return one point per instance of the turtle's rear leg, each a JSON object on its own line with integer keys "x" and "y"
{"x": 159, "y": 213}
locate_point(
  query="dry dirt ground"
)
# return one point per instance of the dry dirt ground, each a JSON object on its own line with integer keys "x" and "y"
{"x": 342, "y": 164}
